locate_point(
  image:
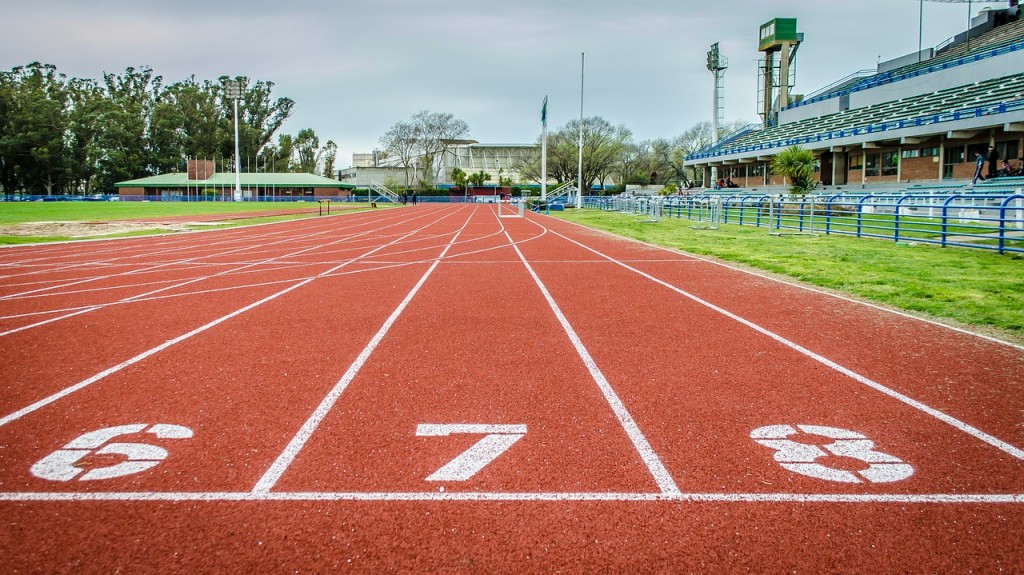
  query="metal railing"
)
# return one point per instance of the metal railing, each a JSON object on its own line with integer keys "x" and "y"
{"x": 382, "y": 191}
{"x": 990, "y": 221}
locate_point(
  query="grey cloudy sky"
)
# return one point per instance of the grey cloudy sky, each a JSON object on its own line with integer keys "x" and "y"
{"x": 355, "y": 68}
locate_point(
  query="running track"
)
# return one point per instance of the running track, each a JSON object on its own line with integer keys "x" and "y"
{"x": 435, "y": 388}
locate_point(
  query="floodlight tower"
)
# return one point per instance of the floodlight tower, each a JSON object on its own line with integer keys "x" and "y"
{"x": 717, "y": 65}
{"x": 778, "y": 35}
{"x": 233, "y": 90}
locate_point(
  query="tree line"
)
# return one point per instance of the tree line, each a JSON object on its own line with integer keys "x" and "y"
{"x": 61, "y": 135}
{"x": 610, "y": 153}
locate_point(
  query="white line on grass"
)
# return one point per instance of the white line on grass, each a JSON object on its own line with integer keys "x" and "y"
{"x": 291, "y": 451}
{"x": 83, "y": 384}
{"x": 948, "y": 419}
{"x": 657, "y": 469}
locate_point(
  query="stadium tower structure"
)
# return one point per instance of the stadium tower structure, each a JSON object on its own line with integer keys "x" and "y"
{"x": 917, "y": 118}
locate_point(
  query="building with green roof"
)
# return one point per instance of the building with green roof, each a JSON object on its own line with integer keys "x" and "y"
{"x": 192, "y": 185}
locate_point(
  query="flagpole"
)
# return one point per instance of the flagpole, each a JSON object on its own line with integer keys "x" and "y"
{"x": 544, "y": 153}
{"x": 579, "y": 168}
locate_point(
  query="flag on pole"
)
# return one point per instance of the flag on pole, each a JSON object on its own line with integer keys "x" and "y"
{"x": 544, "y": 113}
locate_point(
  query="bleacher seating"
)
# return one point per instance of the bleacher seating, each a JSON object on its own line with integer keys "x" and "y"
{"x": 1000, "y": 40}
{"x": 973, "y": 100}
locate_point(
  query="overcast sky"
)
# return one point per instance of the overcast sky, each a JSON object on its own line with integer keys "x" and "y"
{"x": 355, "y": 68}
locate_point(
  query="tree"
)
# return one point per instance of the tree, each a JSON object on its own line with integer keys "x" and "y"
{"x": 435, "y": 133}
{"x": 421, "y": 143}
{"x": 127, "y": 137}
{"x": 400, "y": 142}
{"x": 479, "y": 178}
{"x": 330, "y": 156}
{"x": 602, "y": 148}
{"x": 307, "y": 150}
{"x": 259, "y": 117}
{"x": 459, "y": 177}
{"x": 34, "y": 141}
{"x": 796, "y": 164}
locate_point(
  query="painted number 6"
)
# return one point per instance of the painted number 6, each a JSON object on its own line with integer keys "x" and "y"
{"x": 803, "y": 457}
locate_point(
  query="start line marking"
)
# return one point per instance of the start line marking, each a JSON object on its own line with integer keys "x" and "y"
{"x": 923, "y": 498}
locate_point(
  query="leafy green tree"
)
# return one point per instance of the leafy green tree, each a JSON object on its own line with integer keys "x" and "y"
{"x": 86, "y": 123}
{"x": 459, "y": 177}
{"x": 259, "y": 116}
{"x": 35, "y": 144}
{"x": 478, "y": 178}
{"x": 797, "y": 165}
{"x": 278, "y": 158}
{"x": 330, "y": 154}
{"x": 307, "y": 150}
{"x": 127, "y": 137}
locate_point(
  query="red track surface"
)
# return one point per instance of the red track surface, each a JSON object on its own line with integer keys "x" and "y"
{"x": 318, "y": 380}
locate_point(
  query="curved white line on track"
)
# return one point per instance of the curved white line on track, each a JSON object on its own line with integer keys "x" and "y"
{"x": 148, "y": 296}
{"x": 945, "y": 418}
{"x": 109, "y": 371}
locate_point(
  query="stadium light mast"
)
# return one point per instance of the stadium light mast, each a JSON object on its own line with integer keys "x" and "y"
{"x": 233, "y": 90}
{"x": 579, "y": 169}
{"x": 970, "y": 9}
{"x": 717, "y": 65}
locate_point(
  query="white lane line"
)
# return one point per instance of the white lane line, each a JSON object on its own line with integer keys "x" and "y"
{"x": 249, "y": 248}
{"x": 657, "y": 469}
{"x": 85, "y": 383}
{"x": 852, "y": 498}
{"x": 291, "y": 451}
{"x": 948, "y": 419}
{"x": 809, "y": 288}
{"x": 149, "y": 295}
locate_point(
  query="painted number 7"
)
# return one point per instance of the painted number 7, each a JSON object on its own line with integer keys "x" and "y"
{"x": 495, "y": 441}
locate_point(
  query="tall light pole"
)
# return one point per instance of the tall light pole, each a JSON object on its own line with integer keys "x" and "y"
{"x": 717, "y": 64}
{"x": 233, "y": 90}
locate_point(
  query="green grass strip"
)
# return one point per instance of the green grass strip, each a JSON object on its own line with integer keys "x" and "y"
{"x": 22, "y": 212}
{"x": 972, "y": 287}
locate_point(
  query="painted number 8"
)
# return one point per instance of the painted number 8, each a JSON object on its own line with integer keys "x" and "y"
{"x": 803, "y": 457}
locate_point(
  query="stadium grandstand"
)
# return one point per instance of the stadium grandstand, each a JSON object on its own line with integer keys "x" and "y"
{"x": 918, "y": 118}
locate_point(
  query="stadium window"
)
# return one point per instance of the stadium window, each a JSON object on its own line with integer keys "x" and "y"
{"x": 1007, "y": 150}
{"x": 871, "y": 167}
{"x": 890, "y": 163}
{"x": 977, "y": 148}
{"x": 856, "y": 162}
{"x": 930, "y": 152}
{"x": 911, "y": 154}
{"x": 954, "y": 156}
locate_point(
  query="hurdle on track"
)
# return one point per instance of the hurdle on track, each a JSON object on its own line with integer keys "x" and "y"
{"x": 518, "y": 207}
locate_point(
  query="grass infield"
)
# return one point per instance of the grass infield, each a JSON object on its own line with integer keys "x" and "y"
{"x": 21, "y": 212}
{"x": 970, "y": 287}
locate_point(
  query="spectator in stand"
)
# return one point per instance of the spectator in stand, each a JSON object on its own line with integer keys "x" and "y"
{"x": 993, "y": 161}
{"x": 1020, "y": 168}
{"x": 1006, "y": 170}
{"x": 979, "y": 162}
